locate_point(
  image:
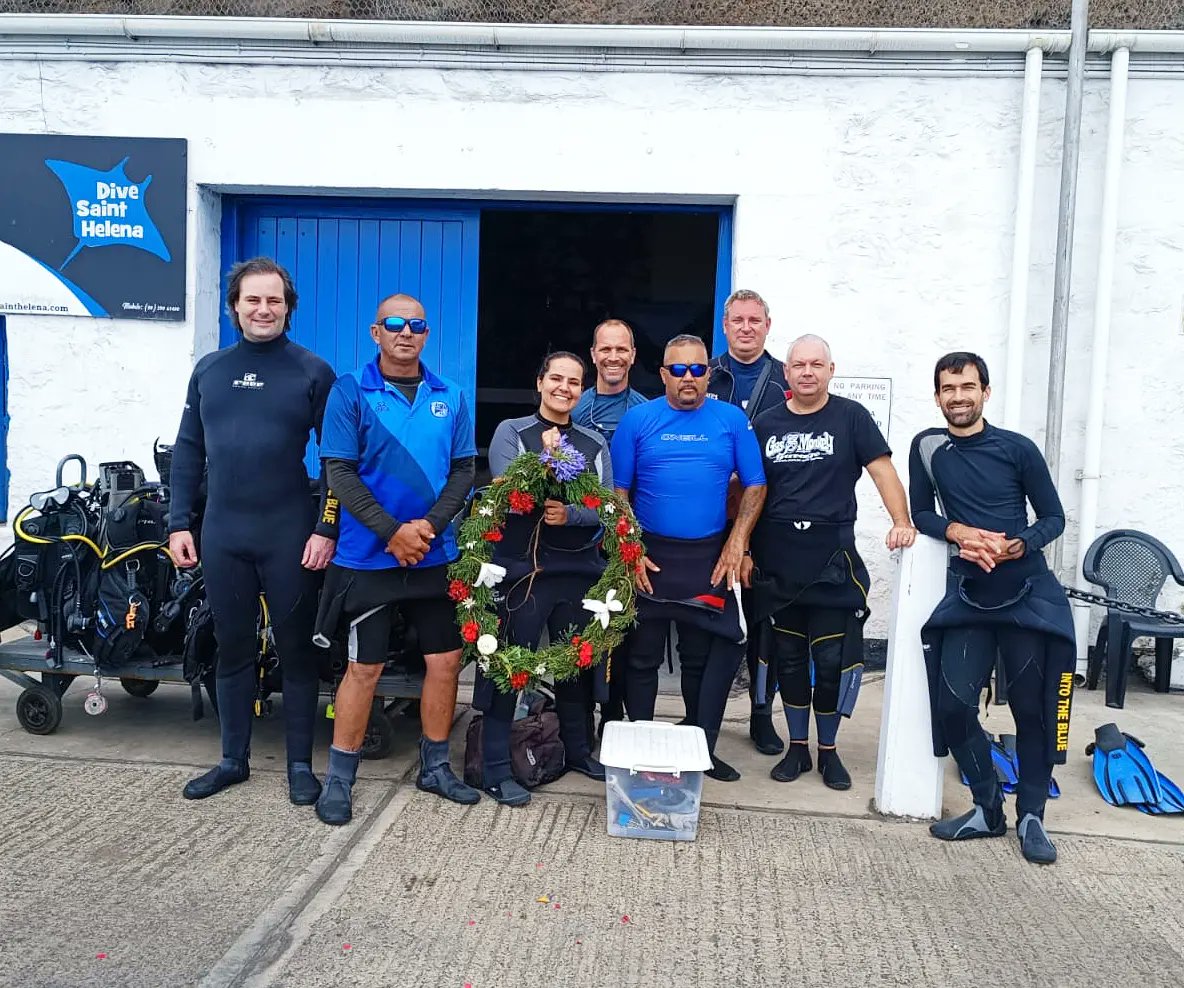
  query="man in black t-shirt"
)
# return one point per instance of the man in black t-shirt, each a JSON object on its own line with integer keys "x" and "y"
{"x": 807, "y": 578}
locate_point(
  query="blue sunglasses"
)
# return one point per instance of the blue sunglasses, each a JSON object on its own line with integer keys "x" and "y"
{"x": 396, "y": 324}
{"x": 680, "y": 370}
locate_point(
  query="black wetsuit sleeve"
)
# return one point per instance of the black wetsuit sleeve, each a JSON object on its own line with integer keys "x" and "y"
{"x": 328, "y": 513}
{"x": 189, "y": 460}
{"x": 1046, "y": 502}
{"x": 461, "y": 474}
{"x": 922, "y": 499}
{"x": 504, "y": 447}
{"x": 356, "y": 498}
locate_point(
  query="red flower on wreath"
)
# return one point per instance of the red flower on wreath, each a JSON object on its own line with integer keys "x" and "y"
{"x": 584, "y": 659}
{"x": 519, "y": 680}
{"x": 630, "y": 552}
{"x": 458, "y": 590}
{"x": 470, "y": 631}
{"x": 493, "y": 535}
{"x": 591, "y": 501}
{"x": 521, "y": 502}
{"x": 622, "y": 528}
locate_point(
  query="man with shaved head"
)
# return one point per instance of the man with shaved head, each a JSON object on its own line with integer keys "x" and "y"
{"x": 400, "y": 442}
{"x": 808, "y": 580}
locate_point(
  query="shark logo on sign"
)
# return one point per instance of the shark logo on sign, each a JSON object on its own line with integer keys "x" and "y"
{"x": 108, "y": 209}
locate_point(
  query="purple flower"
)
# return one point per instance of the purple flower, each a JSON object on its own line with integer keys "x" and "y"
{"x": 565, "y": 461}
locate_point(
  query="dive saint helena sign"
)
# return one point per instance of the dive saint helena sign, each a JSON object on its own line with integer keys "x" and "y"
{"x": 92, "y": 226}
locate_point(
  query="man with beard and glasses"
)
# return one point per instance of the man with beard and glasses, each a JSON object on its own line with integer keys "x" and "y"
{"x": 970, "y": 485}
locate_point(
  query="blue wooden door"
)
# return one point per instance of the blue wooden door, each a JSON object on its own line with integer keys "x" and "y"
{"x": 346, "y": 256}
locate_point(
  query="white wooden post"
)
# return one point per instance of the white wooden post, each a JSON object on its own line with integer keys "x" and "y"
{"x": 908, "y": 776}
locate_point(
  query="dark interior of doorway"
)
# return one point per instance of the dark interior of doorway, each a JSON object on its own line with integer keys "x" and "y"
{"x": 548, "y": 276}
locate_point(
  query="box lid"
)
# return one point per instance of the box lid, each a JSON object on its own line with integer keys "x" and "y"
{"x": 654, "y": 746}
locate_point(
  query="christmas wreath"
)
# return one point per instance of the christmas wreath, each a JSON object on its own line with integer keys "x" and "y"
{"x": 559, "y": 472}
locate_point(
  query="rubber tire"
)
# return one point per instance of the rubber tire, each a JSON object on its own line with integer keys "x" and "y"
{"x": 379, "y": 741}
{"x": 141, "y": 688}
{"x": 1097, "y": 658}
{"x": 39, "y": 710}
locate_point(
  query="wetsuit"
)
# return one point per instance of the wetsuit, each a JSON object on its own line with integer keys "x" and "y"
{"x": 1018, "y": 610}
{"x": 809, "y": 581}
{"x": 248, "y": 414}
{"x": 676, "y": 465}
{"x": 756, "y": 388}
{"x": 543, "y": 588}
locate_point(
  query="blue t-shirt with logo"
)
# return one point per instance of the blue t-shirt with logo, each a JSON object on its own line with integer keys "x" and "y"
{"x": 745, "y": 377}
{"x": 404, "y": 452}
{"x": 677, "y": 464}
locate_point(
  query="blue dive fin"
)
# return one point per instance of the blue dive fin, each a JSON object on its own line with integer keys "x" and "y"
{"x": 1122, "y": 772}
{"x": 1173, "y": 798}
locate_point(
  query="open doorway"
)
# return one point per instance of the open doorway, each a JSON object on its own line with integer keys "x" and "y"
{"x": 548, "y": 275}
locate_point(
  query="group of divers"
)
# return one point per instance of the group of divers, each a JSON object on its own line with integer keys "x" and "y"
{"x": 742, "y": 477}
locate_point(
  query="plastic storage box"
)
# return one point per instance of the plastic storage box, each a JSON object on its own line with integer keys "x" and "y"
{"x": 653, "y": 778}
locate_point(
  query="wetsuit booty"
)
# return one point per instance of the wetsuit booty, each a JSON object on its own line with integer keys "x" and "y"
{"x": 335, "y": 805}
{"x": 587, "y": 765}
{"x": 1034, "y": 842}
{"x": 436, "y": 775}
{"x": 721, "y": 771}
{"x": 509, "y": 792}
{"x": 978, "y": 822}
{"x": 796, "y": 761}
{"x": 763, "y": 733}
{"x": 834, "y": 773}
{"x": 303, "y": 786}
{"x": 227, "y": 772}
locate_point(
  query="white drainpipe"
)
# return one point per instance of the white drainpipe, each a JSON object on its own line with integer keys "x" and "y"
{"x": 1017, "y": 334}
{"x": 1100, "y": 349}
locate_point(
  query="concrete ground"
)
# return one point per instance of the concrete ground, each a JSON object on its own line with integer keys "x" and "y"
{"x": 108, "y": 877}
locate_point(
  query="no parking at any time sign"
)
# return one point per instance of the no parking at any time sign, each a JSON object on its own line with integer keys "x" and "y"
{"x": 873, "y": 393}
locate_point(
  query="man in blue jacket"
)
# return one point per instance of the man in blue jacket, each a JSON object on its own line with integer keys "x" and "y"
{"x": 750, "y": 378}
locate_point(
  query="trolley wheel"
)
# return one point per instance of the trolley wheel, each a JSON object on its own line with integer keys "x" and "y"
{"x": 39, "y": 710}
{"x": 1097, "y": 658}
{"x": 379, "y": 741}
{"x": 140, "y": 687}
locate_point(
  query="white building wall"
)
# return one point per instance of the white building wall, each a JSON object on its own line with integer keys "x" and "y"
{"x": 874, "y": 211}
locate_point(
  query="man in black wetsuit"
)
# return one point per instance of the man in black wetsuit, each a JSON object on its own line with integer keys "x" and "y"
{"x": 1002, "y": 600}
{"x": 399, "y": 441}
{"x": 753, "y": 380}
{"x": 248, "y": 414}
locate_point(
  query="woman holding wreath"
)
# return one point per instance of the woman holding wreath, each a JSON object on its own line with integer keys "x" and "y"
{"x": 551, "y": 555}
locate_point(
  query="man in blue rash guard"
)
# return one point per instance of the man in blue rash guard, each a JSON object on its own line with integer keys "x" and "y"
{"x": 247, "y": 418}
{"x": 674, "y": 456}
{"x": 1002, "y": 600}
{"x": 400, "y": 441}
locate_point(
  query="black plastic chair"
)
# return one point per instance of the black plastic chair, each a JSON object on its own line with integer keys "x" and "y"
{"x": 1132, "y": 567}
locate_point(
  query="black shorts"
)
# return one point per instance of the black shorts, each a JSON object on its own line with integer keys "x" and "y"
{"x": 370, "y": 597}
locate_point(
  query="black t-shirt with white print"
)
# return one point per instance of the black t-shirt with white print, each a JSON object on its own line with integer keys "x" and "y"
{"x": 812, "y": 462}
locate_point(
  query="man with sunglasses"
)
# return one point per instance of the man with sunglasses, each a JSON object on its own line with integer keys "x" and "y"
{"x": 400, "y": 442}
{"x": 751, "y": 378}
{"x": 674, "y": 457}
{"x": 810, "y": 586}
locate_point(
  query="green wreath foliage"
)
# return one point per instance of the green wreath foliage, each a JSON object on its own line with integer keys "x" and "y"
{"x": 527, "y": 482}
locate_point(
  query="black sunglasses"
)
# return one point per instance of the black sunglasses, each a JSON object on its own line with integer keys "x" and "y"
{"x": 680, "y": 370}
{"x": 396, "y": 324}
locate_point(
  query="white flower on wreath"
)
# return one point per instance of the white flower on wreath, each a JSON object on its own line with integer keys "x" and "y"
{"x": 483, "y": 664}
{"x": 602, "y": 610}
{"x": 467, "y": 603}
{"x": 485, "y": 510}
{"x": 470, "y": 545}
{"x": 540, "y": 670}
{"x": 487, "y": 644}
{"x": 609, "y": 508}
